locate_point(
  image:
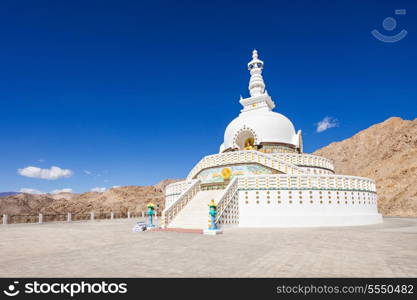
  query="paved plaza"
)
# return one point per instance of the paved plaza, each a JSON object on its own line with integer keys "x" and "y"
{"x": 110, "y": 249}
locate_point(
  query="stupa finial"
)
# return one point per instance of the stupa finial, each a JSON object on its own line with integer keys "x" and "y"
{"x": 256, "y": 82}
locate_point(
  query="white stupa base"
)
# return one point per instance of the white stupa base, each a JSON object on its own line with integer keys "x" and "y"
{"x": 309, "y": 220}
{"x": 212, "y": 231}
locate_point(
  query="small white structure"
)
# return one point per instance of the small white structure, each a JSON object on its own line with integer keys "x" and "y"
{"x": 262, "y": 178}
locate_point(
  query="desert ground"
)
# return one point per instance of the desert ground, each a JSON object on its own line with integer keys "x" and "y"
{"x": 110, "y": 249}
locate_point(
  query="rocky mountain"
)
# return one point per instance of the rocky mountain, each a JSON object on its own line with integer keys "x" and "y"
{"x": 24, "y": 204}
{"x": 120, "y": 199}
{"x": 387, "y": 153}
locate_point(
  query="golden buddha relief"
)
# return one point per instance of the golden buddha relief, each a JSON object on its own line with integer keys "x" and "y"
{"x": 249, "y": 144}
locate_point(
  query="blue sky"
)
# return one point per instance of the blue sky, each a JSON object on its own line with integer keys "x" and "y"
{"x": 135, "y": 92}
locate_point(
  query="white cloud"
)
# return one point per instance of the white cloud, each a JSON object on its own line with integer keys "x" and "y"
{"x": 326, "y": 123}
{"x": 34, "y": 191}
{"x": 66, "y": 190}
{"x": 88, "y": 172}
{"x": 98, "y": 189}
{"x": 50, "y": 174}
{"x": 115, "y": 186}
{"x": 41, "y": 160}
{"x": 30, "y": 191}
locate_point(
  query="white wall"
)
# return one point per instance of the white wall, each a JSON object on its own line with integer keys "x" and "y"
{"x": 298, "y": 208}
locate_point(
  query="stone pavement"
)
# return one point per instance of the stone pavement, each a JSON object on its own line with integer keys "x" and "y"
{"x": 110, "y": 249}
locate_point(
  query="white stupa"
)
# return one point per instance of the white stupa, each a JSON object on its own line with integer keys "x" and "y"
{"x": 262, "y": 178}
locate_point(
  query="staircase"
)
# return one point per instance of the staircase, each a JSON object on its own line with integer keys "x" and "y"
{"x": 195, "y": 214}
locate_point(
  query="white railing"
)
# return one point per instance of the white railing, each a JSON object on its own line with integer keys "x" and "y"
{"x": 68, "y": 217}
{"x": 307, "y": 182}
{"x": 177, "y": 187}
{"x": 170, "y": 212}
{"x": 235, "y": 157}
{"x": 174, "y": 190}
{"x": 307, "y": 160}
{"x": 229, "y": 193}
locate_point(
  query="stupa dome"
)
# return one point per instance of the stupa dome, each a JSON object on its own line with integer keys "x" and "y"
{"x": 263, "y": 127}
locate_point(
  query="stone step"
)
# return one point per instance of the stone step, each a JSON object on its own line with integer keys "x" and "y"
{"x": 196, "y": 213}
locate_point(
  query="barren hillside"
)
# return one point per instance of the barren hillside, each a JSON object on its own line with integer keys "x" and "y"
{"x": 123, "y": 199}
{"x": 387, "y": 153}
